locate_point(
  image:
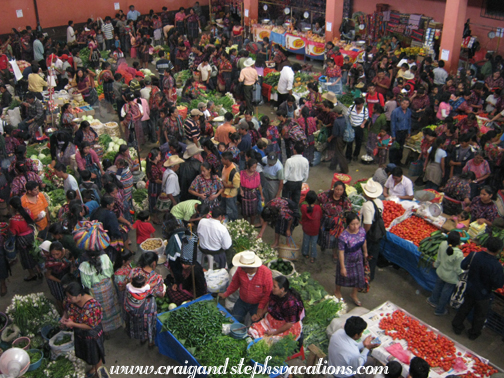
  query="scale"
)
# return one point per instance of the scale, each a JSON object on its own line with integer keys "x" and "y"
{"x": 428, "y": 210}
{"x": 14, "y": 363}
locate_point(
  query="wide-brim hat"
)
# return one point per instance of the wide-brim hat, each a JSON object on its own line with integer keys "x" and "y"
{"x": 360, "y": 85}
{"x": 246, "y": 259}
{"x": 330, "y": 96}
{"x": 45, "y": 245}
{"x": 249, "y": 62}
{"x": 173, "y": 160}
{"x": 372, "y": 189}
{"x": 192, "y": 150}
{"x": 408, "y": 75}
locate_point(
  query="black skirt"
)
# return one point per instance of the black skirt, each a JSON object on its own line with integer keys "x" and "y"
{"x": 89, "y": 345}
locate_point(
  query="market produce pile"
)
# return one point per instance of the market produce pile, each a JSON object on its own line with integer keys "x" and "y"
{"x": 244, "y": 237}
{"x": 300, "y": 81}
{"x": 278, "y": 351}
{"x": 57, "y": 199}
{"x": 429, "y": 248}
{"x": 391, "y": 211}
{"x": 65, "y": 366}
{"x": 284, "y": 267}
{"x": 414, "y": 229}
{"x": 226, "y": 101}
{"x": 111, "y": 146}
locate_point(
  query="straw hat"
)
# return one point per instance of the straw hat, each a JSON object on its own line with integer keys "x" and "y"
{"x": 249, "y": 62}
{"x": 330, "y": 96}
{"x": 216, "y": 142}
{"x": 372, "y": 189}
{"x": 265, "y": 140}
{"x": 191, "y": 150}
{"x": 408, "y": 75}
{"x": 196, "y": 112}
{"x": 246, "y": 259}
{"x": 173, "y": 160}
{"x": 360, "y": 85}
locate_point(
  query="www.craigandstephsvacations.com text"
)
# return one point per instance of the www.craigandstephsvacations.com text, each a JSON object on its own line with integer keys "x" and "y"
{"x": 244, "y": 368}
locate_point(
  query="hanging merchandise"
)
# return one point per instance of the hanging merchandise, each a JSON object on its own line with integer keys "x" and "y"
{"x": 347, "y": 8}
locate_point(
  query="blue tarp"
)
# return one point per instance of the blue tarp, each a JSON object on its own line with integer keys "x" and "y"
{"x": 169, "y": 346}
{"x": 277, "y": 38}
{"x": 407, "y": 256}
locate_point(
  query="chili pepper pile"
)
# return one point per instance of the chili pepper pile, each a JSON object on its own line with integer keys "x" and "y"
{"x": 414, "y": 229}
{"x": 391, "y": 211}
{"x": 421, "y": 341}
{"x": 471, "y": 247}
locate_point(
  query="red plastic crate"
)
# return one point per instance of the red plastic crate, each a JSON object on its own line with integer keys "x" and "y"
{"x": 266, "y": 91}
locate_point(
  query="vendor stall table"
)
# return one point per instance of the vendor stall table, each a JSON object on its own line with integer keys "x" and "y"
{"x": 315, "y": 50}
{"x": 295, "y": 43}
{"x": 373, "y": 319}
{"x": 260, "y": 33}
{"x": 406, "y": 255}
{"x": 277, "y": 38}
{"x": 169, "y": 346}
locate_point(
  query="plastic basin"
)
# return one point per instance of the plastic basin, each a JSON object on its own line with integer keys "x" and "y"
{"x": 37, "y": 364}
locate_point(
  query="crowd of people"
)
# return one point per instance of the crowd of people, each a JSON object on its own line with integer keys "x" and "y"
{"x": 247, "y": 167}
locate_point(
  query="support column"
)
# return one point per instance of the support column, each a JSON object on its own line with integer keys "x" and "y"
{"x": 334, "y": 15}
{"x": 253, "y": 10}
{"x": 453, "y": 28}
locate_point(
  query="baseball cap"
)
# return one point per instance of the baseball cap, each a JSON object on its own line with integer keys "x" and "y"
{"x": 272, "y": 158}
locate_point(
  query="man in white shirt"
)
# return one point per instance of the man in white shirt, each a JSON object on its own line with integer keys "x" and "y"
{"x": 205, "y": 69}
{"x": 108, "y": 32}
{"x": 297, "y": 169}
{"x": 70, "y": 33}
{"x": 440, "y": 74}
{"x": 398, "y": 185}
{"x": 146, "y": 91}
{"x": 214, "y": 238}
{"x": 346, "y": 355}
{"x": 286, "y": 82}
{"x": 170, "y": 184}
{"x": 410, "y": 60}
{"x": 133, "y": 14}
{"x": 69, "y": 181}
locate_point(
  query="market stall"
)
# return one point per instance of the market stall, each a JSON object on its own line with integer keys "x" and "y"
{"x": 398, "y": 332}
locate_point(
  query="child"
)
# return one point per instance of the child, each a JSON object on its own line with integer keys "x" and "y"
{"x": 100, "y": 40}
{"x": 57, "y": 265}
{"x": 462, "y": 220}
{"x": 345, "y": 68}
{"x": 117, "y": 42}
{"x": 145, "y": 230}
{"x": 383, "y": 145}
{"x": 89, "y": 202}
{"x": 87, "y": 184}
{"x": 390, "y": 106}
{"x": 221, "y": 147}
{"x": 311, "y": 215}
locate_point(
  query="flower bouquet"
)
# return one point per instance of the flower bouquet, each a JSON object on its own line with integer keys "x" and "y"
{"x": 31, "y": 312}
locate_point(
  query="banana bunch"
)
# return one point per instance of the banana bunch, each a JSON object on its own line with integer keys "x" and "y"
{"x": 429, "y": 248}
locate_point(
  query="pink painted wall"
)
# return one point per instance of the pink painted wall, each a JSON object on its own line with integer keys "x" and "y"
{"x": 58, "y": 12}
{"x": 436, "y": 10}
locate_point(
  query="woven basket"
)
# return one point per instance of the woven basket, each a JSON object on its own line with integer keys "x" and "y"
{"x": 112, "y": 129}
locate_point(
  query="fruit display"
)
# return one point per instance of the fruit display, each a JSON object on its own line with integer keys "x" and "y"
{"x": 413, "y": 51}
{"x": 422, "y": 342}
{"x": 391, "y": 211}
{"x": 467, "y": 248}
{"x": 414, "y": 229}
{"x": 429, "y": 248}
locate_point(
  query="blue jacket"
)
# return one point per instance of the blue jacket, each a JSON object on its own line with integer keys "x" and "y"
{"x": 400, "y": 120}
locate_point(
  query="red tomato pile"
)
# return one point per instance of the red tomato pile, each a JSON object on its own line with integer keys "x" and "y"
{"x": 421, "y": 341}
{"x": 479, "y": 369}
{"x": 414, "y": 229}
{"x": 471, "y": 247}
{"x": 391, "y": 211}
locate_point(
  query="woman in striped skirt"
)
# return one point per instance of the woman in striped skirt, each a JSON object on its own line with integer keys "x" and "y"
{"x": 250, "y": 183}
{"x": 96, "y": 275}
{"x": 21, "y": 225}
{"x": 140, "y": 303}
{"x": 57, "y": 264}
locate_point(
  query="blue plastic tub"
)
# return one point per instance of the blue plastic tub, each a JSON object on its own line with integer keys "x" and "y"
{"x": 272, "y": 375}
{"x": 37, "y": 364}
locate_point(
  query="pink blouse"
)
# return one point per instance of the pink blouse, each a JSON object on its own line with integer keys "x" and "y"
{"x": 81, "y": 162}
{"x": 250, "y": 182}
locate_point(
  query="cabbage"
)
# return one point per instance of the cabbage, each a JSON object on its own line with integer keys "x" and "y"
{"x": 34, "y": 157}
{"x": 121, "y": 142}
{"x": 41, "y": 156}
{"x": 172, "y": 306}
{"x": 115, "y": 139}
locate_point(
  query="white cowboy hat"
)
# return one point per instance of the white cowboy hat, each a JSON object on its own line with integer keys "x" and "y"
{"x": 191, "y": 150}
{"x": 246, "y": 259}
{"x": 408, "y": 75}
{"x": 372, "y": 189}
{"x": 330, "y": 96}
{"x": 249, "y": 62}
{"x": 173, "y": 160}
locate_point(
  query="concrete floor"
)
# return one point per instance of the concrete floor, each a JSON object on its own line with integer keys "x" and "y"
{"x": 392, "y": 285}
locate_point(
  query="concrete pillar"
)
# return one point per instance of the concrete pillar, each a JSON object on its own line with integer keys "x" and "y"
{"x": 334, "y": 15}
{"x": 253, "y": 10}
{"x": 453, "y": 28}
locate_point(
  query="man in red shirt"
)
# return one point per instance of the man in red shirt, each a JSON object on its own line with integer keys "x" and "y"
{"x": 255, "y": 283}
{"x": 4, "y": 67}
{"x": 382, "y": 82}
{"x": 338, "y": 57}
{"x": 373, "y": 97}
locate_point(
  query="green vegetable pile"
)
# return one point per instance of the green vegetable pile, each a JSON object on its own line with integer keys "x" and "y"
{"x": 213, "y": 96}
{"x": 34, "y": 356}
{"x": 38, "y": 373}
{"x": 182, "y": 76}
{"x": 346, "y": 99}
{"x": 309, "y": 289}
{"x": 279, "y": 351}
{"x": 14, "y": 104}
{"x": 110, "y": 155}
{"x": 226, "y": 347}
{"x": 316, "y": 321}
{"x": 140, "y": 195}
{"x": 284, "y": 267}
{"x": 104, "y": 140}
{"x": 22, "y": 344}
{"x": 57, "y": 196}
{"x": 272, "y": 78}
{"x": 65, "y": 339}
{"x": 196, "y": 326}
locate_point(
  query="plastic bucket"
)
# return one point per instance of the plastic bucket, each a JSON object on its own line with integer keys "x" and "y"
{"x": 36, "y": 365}
{"x": 20, "y": 340}
{"x": 415, "y": 168}
{"x": 288, "y": 252}
{"x": 45, "y": 331}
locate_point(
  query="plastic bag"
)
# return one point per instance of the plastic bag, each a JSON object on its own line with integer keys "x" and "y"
{"x": 14, "y": 116}
{"x": 398, "y": 352}
{"x": 13, "y": 332}
{"x": 57, "y": 350}
{"x": 217, "y": 280}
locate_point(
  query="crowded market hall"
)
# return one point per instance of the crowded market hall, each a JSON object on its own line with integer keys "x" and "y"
{"x": 342, "y": 160}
